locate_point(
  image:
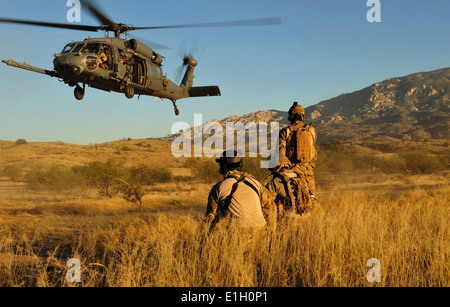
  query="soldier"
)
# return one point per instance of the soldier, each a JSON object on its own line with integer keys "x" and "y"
{"x": 103, "y": 58}
{"x": 242, "y": 199}
{"x": 297, "y": 145}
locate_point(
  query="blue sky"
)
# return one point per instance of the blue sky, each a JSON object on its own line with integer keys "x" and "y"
{"x": 322, "y": 49}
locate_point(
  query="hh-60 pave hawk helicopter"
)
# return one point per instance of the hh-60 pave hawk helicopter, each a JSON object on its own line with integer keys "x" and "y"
{"x": 121, "y": 65}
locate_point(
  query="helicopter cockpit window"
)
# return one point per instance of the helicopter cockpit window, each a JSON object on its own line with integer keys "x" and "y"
{"x": 91, "y": 48}
{"x": 159, "y": 72}
{"x": 77, "y": 48}
{"x": 68, "y": 48}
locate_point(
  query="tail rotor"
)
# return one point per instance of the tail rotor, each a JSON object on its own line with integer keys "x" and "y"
{"x": 187, "y": 56}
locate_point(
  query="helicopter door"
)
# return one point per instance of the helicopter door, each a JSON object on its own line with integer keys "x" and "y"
{"x": 139, "y": 71}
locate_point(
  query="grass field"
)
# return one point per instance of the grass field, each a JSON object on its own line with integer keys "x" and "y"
{"x": 402, "y": 220}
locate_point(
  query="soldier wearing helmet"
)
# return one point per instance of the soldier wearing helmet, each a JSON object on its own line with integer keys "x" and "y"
{"x": 296, "y": 113}
{"x": 297, "y": 145}
{"x": 242, "y": 200}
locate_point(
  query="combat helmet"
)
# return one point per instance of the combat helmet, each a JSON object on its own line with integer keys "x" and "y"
{"x": 296, "y": 112}
{"x": 230, "y": 161}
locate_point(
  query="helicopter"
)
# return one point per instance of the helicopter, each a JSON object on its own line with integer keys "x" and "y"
{"x": 116, "y": 64}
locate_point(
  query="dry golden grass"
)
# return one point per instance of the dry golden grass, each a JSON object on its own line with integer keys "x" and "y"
{"x": 402, "y": 221}
{"x": 165, "y": 244}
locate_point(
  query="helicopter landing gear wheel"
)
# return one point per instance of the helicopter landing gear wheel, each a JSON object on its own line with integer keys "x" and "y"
{"x": 129, "y": 91}
{"x": 79, "y": 92}
{"x": 177, "y": 112}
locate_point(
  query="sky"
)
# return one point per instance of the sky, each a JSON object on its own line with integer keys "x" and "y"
{"x": 322, "y": 49}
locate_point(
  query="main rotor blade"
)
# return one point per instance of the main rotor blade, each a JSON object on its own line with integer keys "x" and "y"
{"x": 238, "y": 23}
{"x": 92, "y": 8}
{"x": 53, "y": 25}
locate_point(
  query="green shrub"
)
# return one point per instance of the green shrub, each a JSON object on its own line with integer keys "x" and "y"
{"x": 444, "y": 158}
{"x": 420, "y": 162}
{"x": 393, "y": 164}
{"x": 105, "y": 176}
{"x": 148, "y": 175}
{"x": 334, "y": 162}
{"x": 21, "y": 142}
{"x": 56, "y": 178}
{"x": 205, "y": 170}
{"x": 365, "y": 162}
{"x": 126, "y": 148}
{"x": 13, "y": 172}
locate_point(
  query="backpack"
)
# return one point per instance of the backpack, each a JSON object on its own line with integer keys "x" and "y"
{"x": 300, "y": 144}
{"x": 298, "y": 196}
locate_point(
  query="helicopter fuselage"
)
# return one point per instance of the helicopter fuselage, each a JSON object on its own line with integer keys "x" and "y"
{"x": 81, "y": 62}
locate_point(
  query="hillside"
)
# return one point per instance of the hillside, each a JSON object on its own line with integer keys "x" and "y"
{"x": 130, "y": 152}
{"x": 414, "y": 107}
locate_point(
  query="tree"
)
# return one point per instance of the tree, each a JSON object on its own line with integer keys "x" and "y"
{"x": 105, "y": 176}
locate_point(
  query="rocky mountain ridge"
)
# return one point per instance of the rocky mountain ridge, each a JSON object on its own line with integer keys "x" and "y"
{"x": 414, "y": 107}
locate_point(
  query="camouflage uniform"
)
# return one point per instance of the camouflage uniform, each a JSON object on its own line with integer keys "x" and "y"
{"x": 304, "y": 170}
{"x": 247, "y": 208}
{"x": 278, "y": 184}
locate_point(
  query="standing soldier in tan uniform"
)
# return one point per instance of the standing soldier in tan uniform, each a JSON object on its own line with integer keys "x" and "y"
{"x": 242, "y": 200}
{"x": 298, "y": 155}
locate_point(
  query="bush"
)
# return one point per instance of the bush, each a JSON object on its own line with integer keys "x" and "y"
{"x": 420, "y": 162}
{"x": 444, "y": 158}
{"x": 139, "y": 176}
{"x": 57, "y": 178}
{"x": 126, "y": 148}
{"x": 334, "y": 162}
{"x": 205, "y": 170}
{"x": 21, "y": 142}
{"x": 393, "y": 164}
{"x": 105, "y": 176}
{"x": 14, "y": 173}
{"x": 148, "y": 175}
{"x": 365, "y": 162}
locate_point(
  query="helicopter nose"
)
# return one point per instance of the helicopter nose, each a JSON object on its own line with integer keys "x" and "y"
{"x": 67, "y": 66}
